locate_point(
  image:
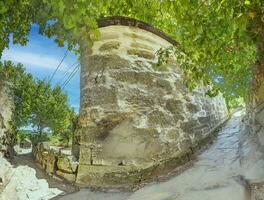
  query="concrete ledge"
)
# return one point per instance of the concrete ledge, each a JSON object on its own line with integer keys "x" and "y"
{"x": 126, "y": 21}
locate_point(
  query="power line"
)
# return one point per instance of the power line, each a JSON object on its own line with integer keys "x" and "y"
{"x": 67, "y": 72}
{"x": 64, "y": 56}
{"x": 74, "y": 71}
{"x": 70, "y": 78}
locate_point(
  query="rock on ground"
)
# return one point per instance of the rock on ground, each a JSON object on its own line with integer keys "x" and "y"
{"x": 21, "y": 183}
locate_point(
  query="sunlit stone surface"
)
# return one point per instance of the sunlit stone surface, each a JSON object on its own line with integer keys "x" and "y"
{"x": 137, "y": 121}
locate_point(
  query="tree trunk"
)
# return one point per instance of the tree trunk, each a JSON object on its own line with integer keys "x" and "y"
{"x": 255, "y": 102}
{"x": 40, "y": 130}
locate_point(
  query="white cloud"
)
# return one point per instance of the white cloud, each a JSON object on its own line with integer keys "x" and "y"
{"x": 34, "y": 59}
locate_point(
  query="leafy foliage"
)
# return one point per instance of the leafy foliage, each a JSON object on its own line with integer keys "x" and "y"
{"x": 23, "y": 87}
{"x": 49, "y": 108}
{"x": 235, "y": 103}
{"x": 36, "y": 103}
{"x": 15, "y": 21}
{"x": 219, "y": 40}
{"x": 66, "y": 135}
{"x": 35, "y": 138}
{"x": 21, "y": 135}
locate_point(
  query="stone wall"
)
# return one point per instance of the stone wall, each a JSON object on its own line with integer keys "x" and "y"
{"x": 6, "y": 106}
{"x": 56, "y": 161}
{"x": 137, "y": 121}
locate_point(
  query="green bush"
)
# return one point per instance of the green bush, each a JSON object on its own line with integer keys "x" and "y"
{"x": 36, "y": 138}
{"x": 21, "y": 135}
{"x": 235, "y": 103}
{"x": 62, "y": 139}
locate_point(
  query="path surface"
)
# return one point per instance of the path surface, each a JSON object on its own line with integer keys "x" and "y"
{"x": 27, "y": 160}
{"x": 21, "y": 183}
{"x": 222, "y": 172}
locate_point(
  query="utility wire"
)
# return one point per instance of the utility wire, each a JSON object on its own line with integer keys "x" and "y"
{"x": 71, "y": 78}
{"x": 67, "y": 72}
{"x": 64, "y": 56}
{"x": 74, "y": 71}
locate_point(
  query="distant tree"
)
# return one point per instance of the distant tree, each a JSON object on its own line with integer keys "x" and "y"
{"x": 23, "y": 86}
{"x": 49, "y": 109}
{"x": 67, "y": 134}
{"x": 36, "y": 102}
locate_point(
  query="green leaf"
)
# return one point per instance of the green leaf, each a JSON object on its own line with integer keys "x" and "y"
{"x": 3, "y": 8}
{"x": 68, "y": 22}
{"x": 247, "y": 2}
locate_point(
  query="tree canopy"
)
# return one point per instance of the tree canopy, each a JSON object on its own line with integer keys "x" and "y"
{"x": 49, "y": 108}
{"x": 219, "y": 40}
{"x": 22, "y": 85}
{"x": 37, "y": 104}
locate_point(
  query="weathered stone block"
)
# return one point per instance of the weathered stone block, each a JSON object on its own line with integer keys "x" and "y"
{"x": 93, "y": 79}
{"x": 164, "y": 84}
{"x": 69, "y": 177}
{"x": 141, "y": 53}
{"x": 204, "y": 120}
{"x": 85, "y": 153}
{"x": 180, "y": 87}
{"x": 108, "y": 46}
{"x": 185, "y": 145}
{"x": 43, "y": 161}
{"x": 175, "y": 106}
{"x": 97, "y": 63}
{"x": 43, "y": 146}
{"x": 193, "y": 108}
{"x": 173, "y": 135}
{"x": 26, "y": 144}
{"x": 98, "y": 96}
{"x": 137, "y": 36}
{"x": 134, "y": 77}
{"x": 157, "y": 117}
{"x": 136, "y": 97}
{"x": 67, "y": 164}
{"x": 106, "y": 175}
{"x": 189, "y": 126}
{"x": 137, "y": 45}
{"x": 51, "y": 162}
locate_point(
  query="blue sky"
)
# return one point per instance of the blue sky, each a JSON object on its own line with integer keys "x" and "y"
{"x": 41, "y": 57}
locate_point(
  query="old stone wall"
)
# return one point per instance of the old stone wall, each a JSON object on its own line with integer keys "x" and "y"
{"x": 56, "y": 161}
{"x": 6, "y": 108}
{"x": 137, "y": 121}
